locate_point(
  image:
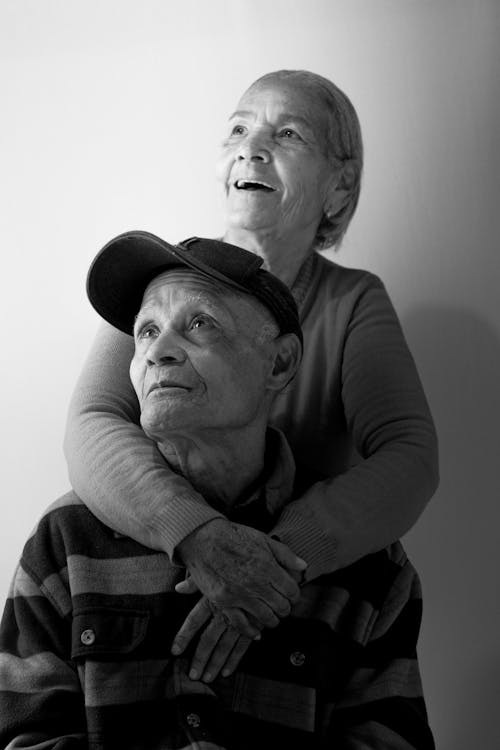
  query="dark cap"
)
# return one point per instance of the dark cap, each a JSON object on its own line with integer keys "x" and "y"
{"x": 122, "y": 270}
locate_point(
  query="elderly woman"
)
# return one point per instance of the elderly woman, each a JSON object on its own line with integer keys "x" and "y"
{"x": 355, "y": 416}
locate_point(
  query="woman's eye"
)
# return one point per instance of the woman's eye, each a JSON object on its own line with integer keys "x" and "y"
{"x": 238, "y": 130}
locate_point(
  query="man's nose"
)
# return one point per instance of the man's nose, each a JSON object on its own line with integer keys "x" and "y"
{"x": 166, "y": 349}
{"x": 255, "y": 147}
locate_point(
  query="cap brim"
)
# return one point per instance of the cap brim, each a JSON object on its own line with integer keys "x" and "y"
{"x": 122, "y": 270}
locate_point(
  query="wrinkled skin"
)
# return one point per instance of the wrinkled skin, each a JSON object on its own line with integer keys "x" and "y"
{"x": 278, "y": 138}
{"x": 250, "y": 582}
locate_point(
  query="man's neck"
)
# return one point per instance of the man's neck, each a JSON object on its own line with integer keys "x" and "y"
{"x": 283, "y": 255}
{"x": 220, "y": 467}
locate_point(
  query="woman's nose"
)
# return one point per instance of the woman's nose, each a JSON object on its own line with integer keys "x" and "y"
{"x": 166, "y": 349}
{"x": 255, "y": 147}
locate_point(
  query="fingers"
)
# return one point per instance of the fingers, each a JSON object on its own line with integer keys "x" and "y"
{"x": 283, "y": 605}
{"x": 198, "y": 616}
{"x": 187, "y": 586}
{"x": 221, "y": 647}
{"x": 285, "y": 584}
{"x": 227, "y": 655}
{"x": 241, "y": 623}
{"x": 236, "y": 655}
{"x": 286, "y": 557}
{"x": 208, "y": 663}
{"x": 216, "y": 641}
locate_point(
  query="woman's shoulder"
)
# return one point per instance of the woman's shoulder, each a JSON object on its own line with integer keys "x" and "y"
{"x": 333, "y": 284}
{"x": 331, "y": 272}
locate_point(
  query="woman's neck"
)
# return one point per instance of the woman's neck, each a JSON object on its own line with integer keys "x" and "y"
{"x": 283, "y": 255}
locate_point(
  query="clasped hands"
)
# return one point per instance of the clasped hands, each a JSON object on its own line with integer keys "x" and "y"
{"x": 248, "y": 582}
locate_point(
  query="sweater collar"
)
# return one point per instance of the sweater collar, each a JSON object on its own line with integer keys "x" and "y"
{"x": 275, "y": 486}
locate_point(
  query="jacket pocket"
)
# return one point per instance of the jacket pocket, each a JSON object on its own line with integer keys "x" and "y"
{"x": 107, "y": 632}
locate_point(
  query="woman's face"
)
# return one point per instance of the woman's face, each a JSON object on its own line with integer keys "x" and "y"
{"x": 273, "y": 164}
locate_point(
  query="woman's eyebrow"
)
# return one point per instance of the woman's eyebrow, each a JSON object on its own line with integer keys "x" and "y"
{"x": 294, "y": 118}
{"x": 291, "y": 117}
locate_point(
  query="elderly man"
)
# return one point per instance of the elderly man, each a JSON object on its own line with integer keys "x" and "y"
{"x": 88, "y": 627}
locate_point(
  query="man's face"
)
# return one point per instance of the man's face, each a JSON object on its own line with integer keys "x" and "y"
{"x": 201, "y": 356}
{"x": 273, "y": 164}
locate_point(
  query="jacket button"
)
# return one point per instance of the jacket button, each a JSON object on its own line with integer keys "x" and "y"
{"x": 87, "y": 637}
{"x": 297, "y": 658}
{"x": 193, "y": 720}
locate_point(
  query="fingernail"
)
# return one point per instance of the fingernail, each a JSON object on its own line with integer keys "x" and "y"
{"x": 176, "y": 649}
{"x": 257, "y": 637}
{"x": 226, "y": 672}
{"x": 207, "y": 677}
{"x": 193, "y": 675}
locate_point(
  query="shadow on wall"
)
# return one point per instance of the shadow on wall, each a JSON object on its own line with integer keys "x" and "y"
{"x": 456, "y": 545}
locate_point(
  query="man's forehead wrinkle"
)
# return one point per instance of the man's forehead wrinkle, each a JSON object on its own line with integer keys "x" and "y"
{"x": 189, "y": 289}
{"x": 188, "y": 284}
{"x": 181, "y": 296}
{"x": 302, "y": 119}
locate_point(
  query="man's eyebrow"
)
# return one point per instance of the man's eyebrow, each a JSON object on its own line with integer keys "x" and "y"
{"x": 140, "y": 315}
{"x": 212, "y": 302}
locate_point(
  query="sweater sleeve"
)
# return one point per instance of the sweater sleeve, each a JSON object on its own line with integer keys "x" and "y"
{"x": 113, "y": 467}
{"x": 374, "y": 502}
{"x": 382, "y": 704}
{"x": 41, "y": 702}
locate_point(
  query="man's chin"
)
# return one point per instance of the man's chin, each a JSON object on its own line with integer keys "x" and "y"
{"x": 153, "y": 427}
{"x": 159, "y": 428}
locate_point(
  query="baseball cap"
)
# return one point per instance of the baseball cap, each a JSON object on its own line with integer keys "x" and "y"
{"x": 121, "y": 271}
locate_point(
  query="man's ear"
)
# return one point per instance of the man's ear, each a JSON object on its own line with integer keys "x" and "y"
{"x": 287, "y": 356}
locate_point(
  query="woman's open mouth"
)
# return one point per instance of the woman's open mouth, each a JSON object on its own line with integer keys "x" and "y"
{"x": 254, "y": 185}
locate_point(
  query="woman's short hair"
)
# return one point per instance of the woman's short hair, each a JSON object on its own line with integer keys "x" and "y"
{"x": 345, "y": 145}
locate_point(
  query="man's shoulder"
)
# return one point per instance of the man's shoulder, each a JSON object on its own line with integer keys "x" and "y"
{"x": 67, "y": 527}
{"x": 72, "y": 553}
{"x": 361, "y": 600}
{"x": 67, "y": 500}
{"x": 67, "y": 511}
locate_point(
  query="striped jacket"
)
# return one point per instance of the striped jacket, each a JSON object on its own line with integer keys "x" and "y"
{"x": 85, "y": 655}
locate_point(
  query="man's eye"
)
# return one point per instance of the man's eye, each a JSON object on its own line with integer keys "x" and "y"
{"x": 201, "y": 322}
{"x": 289, "y": 133}
{"x": 147, "y": 332}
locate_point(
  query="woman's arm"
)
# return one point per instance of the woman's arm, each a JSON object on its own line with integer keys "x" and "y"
{"x": 115, "y": 469}
{"x": 373, "y": 503}
{"x": 124, "y": 480}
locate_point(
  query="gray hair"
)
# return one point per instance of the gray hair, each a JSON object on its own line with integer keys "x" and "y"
{"x": 345, "y": 146}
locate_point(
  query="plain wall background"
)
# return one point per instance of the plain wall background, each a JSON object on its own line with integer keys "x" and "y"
{"x": 111, "y": 116}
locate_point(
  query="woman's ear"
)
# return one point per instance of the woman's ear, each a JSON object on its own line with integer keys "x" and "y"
{"x": 340, "y": 188}
{"x": 287, "y": 357}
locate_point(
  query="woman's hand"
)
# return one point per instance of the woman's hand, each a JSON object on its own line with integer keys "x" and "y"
{"x": 249, "y": 582}
{"x": 239, "y": 568}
